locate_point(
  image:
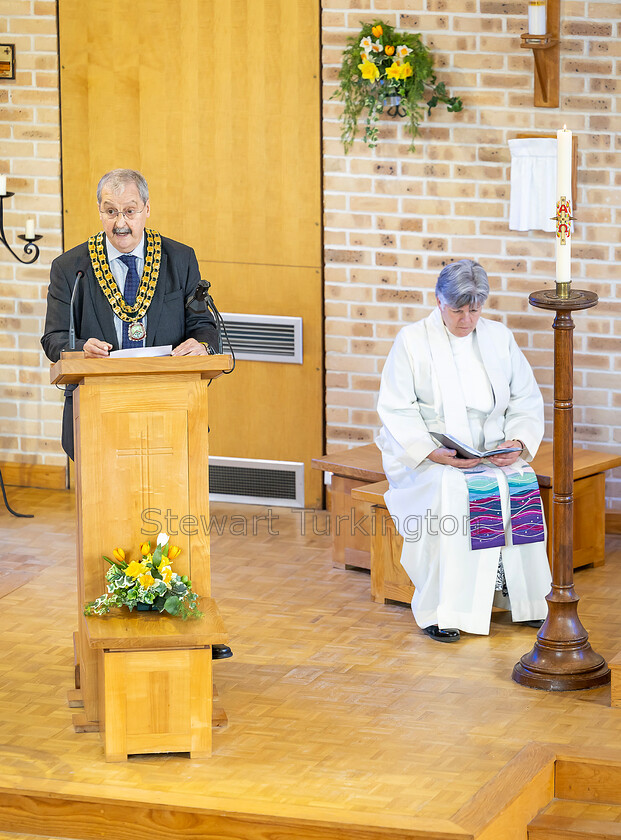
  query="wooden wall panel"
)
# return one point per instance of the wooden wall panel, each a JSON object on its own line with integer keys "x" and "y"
{"x": 218, "y": 104}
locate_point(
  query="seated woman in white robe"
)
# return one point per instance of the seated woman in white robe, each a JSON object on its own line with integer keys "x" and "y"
{"x": 459, "y": 374}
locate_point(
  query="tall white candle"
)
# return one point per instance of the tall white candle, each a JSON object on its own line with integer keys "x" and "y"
{"x": 2, "y": 184}
{"x": 30, "y": 229}
{"x": 536, "y": 17}
{"x": 563, "y": 204}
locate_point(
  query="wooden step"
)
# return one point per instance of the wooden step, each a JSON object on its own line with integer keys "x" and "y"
{"x": 615, "y": 681}
{"x": 565, "y": 819}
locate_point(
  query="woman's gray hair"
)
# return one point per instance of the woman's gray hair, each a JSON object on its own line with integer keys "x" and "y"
{"x": 117, "y": 179}
{"x": 463, "y": 283}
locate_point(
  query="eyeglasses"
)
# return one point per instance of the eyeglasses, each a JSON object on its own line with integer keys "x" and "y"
{"x": 129, "y": 214}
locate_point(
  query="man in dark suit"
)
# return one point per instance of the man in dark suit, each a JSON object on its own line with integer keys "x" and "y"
{"x": 133, "y": 291}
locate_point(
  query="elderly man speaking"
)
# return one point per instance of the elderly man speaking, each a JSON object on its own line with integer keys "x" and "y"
{"x": 132, "y": 289}
{"x": 473, "y": 527}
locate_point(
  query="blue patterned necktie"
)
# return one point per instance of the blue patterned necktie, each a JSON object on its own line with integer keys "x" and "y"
{"x": 132, "y": 281}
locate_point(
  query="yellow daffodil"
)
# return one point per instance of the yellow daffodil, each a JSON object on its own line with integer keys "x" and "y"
{"x": 146, "y": 580}
{"x": 394, "y": 71}
{"x": 368, "y": 70}
{"x": 366, "y": 44}
{"x": 145, "y": 548}
{"x": 134, "y": 569}
{"x": 402, "y": 51}
{"x": 405, "y": 71}
{"x": 377, "y": 31}
{"x": 166, "y": 574}
{"x": 119, "y": 554}
{"x": 389, "y": 49}
{"x": 173, "y": 551}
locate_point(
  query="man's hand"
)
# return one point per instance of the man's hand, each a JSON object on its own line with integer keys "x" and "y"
{"x": 190, "y": 347}
{"x": 96, "y": 349}
{"x": 449, "y": 459}
{"x": 510, "y": 457}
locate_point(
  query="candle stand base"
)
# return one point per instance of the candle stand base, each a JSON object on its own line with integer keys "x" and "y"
{"x": 562, "y": 658}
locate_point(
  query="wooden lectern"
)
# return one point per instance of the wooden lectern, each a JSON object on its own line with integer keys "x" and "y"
{"x": 141, "y": 444}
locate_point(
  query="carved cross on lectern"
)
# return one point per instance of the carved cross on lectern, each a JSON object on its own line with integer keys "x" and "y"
{"x": 145, "y": 452}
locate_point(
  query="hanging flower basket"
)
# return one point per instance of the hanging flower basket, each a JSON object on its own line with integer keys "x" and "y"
{"x": 380, "y": 65}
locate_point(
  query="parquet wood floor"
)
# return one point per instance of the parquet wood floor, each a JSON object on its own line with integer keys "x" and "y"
{"x": 336, "y": 705}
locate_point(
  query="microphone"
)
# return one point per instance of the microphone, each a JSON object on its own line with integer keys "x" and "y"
{"x": 201, "y": 301}
{"x": 79, "y": 275}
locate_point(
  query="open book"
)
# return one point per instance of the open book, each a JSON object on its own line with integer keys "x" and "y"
{"x": 465, "y": 451}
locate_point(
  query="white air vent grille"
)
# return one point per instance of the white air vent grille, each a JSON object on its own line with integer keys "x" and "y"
{"x": 250, "y": 481}
{"x": 264, "y": 338}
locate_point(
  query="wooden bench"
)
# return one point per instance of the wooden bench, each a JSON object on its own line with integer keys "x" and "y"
{"x": 353, "y": 492}
{"x": 156, "y": 688}
{"x": 350, "y": 469}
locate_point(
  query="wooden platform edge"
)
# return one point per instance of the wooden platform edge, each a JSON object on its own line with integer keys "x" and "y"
{"x": 589, "y": 779}
{"x": 60, "y": 814}
{"x": 513, "y": 796}
{"x": 559, "y": 827}
{"x": 19, "y": 474}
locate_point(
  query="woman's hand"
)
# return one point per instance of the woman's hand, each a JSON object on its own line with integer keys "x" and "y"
{"x": 449, "y": 459}
{"x": 510, "y": 457}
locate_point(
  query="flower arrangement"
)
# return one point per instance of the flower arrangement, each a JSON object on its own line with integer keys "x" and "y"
{"x": 148, "y": 583}
{"x": 379, "y": 64}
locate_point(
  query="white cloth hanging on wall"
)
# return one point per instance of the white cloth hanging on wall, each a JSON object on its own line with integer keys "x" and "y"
{"x": 533, "y": 183}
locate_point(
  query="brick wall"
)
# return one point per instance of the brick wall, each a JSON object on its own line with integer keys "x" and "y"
{"x": 394, "y": 218}
{"x": 30, "y": 158}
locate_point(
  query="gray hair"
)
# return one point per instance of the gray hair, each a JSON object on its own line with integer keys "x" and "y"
{"x": 117, "y": 179}
{"x": 463, "y": 283}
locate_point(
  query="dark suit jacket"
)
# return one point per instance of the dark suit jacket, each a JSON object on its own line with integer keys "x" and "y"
{"x": 168, "y": 320}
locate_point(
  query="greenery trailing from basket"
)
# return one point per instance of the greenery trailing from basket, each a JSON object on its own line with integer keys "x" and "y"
{"x": 147, "y": 583}
{"x": 380, "y": 63}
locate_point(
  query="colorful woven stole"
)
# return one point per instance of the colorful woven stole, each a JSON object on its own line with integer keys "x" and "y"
{"x": 486, "y": 528}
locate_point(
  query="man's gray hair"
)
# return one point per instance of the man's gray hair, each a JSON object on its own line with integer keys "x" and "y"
{"x": 117, "y": 179}
{"x": 463, "y": 283}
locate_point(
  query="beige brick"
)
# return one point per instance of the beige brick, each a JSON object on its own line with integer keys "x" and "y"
{"x": 358, "y": 294}
{"x": 332, "y": 255}
{"x": 373, "y": 275}
{"x": 335, "y": 361}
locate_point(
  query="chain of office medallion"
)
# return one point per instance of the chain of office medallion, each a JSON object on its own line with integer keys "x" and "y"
{"x": 107, "y": 283}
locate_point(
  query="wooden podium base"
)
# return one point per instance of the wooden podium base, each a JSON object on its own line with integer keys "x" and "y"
{"x": 562, "y": 658}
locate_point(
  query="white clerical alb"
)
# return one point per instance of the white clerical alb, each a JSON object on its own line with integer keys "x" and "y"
{"x": 431, "y": 382}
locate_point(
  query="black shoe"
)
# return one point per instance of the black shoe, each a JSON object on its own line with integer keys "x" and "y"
{"x": 448, "y": 635}
{"x": 534, "y": 622}
{"x": 221, "y": 652}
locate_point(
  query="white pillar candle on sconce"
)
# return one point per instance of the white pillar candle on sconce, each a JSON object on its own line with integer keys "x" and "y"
{"x": 563, "y": 205}
{"x": 30, "y": 229}
{"x": 2, "y": 184}
{"x": 537, "y": 17}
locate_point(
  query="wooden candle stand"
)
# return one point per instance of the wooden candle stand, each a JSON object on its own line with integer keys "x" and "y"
{"x": 547, "y": 54}
{"x": 562, "y": 658}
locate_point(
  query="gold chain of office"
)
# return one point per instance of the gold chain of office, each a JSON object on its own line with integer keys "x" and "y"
{"x": 107, "y": 283}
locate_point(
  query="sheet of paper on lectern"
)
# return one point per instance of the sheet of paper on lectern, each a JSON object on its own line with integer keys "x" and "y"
{"x": 136, "y": 352}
